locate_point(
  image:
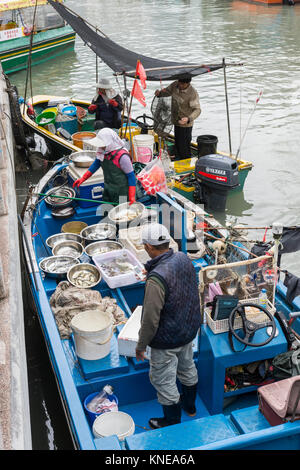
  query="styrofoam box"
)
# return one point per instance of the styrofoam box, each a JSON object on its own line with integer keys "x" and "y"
{"x": 122, "y": 279}
{"x": 92, "y": 188}
{"x": 126, "y": 237}
{"x": 129, "y": 335}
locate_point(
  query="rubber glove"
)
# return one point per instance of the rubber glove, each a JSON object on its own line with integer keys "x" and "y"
{"x": 113, "y": 103}
{"x": 92, "y": 108}
{"x": 131, "y": 194}
{"x": 81, "y": 180}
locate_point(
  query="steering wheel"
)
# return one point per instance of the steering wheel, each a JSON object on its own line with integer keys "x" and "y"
{"x": 250, "y": 327}
{"x": 144, "y": 125}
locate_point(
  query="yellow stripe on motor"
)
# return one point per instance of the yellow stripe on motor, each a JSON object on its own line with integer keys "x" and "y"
{"x": 15, "y": 54}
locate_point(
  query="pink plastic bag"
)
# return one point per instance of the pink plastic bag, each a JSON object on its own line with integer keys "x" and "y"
{"x": 153, "y": 178}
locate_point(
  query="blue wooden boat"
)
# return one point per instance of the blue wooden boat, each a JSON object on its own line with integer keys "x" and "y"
{"x": 225, "y": 419}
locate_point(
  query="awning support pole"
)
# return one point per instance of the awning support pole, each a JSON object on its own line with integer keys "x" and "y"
{"x": 227, "y": 107}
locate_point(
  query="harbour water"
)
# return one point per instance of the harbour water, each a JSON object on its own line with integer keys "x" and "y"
{"x": 267, "y": 41}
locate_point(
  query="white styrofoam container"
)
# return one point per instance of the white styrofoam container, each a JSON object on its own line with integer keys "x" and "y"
{"x": 128, "y": 337}
{"x": 122, "y": 279}
{"x": 128, "y": 236}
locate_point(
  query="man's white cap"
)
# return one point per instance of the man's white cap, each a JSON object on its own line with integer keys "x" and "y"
{"x": 155, "y": 234}
{"x": 96, "y": 141}
{"x": 104, "y": 83}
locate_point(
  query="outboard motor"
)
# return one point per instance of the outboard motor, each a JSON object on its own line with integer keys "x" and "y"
{"x": 216, "y": 176}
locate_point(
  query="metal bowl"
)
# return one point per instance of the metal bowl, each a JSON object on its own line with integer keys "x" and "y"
{"x": 83, "y": 159}
{"x": 125, "y": 213}
{"x": 103, "y": 246}
{"x": 57, "y": 202}
{"x": 50, "y": 266}
{"x": 76, "y": 274}
{"x": 98, "y": 232}
{"x": 61, "y": 237}
{"x": 68, "y": 248}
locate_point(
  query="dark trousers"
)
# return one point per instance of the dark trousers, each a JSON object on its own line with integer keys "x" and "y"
{"x": 183, "y": 138}
{"x": 101, "y": 124}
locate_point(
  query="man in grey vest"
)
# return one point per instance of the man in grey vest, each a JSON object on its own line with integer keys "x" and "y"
{"x": 170, "y": 322}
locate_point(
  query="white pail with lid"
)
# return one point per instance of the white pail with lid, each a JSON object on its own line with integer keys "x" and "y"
{"x": 114, "y": 422}
{"x": 92, "y": 334}
{"x": 143, "y": 147}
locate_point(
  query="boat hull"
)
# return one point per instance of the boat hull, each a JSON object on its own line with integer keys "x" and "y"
{"x": 47, "y": 45}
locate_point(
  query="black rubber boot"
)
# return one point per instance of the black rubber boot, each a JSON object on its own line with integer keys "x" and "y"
{"x": 172, "y": 415}
{"x": 188, "y": 399}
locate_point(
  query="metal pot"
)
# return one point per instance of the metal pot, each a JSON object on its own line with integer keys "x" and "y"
{"x": 83, "y": 159}
{"x": 53, "y": 266}
{"x": 98, "y": 232}
{"x": 125, "y": 214}
{"x": 68, "y": 248}
{"x": 103, "y": 246}
{"x": 84, "y": 269}
{"x": 56, "y": 202}
{"x": 61, "y": 237}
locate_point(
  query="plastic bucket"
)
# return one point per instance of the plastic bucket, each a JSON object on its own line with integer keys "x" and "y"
{"x": 207, "y": 145}
{"x": 91, "y": 415}
{"x": 79, "y": 137}
{"x": 52, "y": 110}
{"x": 92, "y": 334}
{"x": 143, "y": 147}
{"x": 45, "y": 118}
{"x": 117, "y": 422}
{"x": 69, "y": 110}
{"x": 134, "y": 129}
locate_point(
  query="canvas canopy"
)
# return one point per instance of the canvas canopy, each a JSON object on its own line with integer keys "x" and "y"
{"x": 124, "y": 61}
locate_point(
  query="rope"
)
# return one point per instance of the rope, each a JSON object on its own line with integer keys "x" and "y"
{"x": 29, "y": 56}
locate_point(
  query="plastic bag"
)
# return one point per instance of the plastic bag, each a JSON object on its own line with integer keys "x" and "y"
{"x": 153, "y": 178}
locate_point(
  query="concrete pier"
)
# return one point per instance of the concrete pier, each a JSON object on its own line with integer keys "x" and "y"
{"x": 15, "y": 429}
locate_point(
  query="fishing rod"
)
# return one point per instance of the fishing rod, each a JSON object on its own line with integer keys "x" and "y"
{"x": 250, "y": 117}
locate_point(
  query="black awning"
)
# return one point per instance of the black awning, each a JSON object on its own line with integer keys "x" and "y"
{"x": 122, "y": 60}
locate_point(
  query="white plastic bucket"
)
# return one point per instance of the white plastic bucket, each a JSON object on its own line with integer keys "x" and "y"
{"x": 114, "y": 422}
{"x": 143, "y": 147}
{"x": 92, "y": 334}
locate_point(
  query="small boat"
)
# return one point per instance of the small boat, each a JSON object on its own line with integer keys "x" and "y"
{"x": 66, "y": 137}
{"x": 231, "y": 374}
{"x": 63, "y": 136}
{"x": 51, "y": 36}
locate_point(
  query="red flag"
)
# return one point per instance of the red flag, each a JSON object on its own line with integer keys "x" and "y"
{"x": 141, "y": 74}
{"x": 137, "y": 93}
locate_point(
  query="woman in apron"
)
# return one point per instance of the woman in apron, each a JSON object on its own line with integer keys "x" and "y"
{"x": 114, "y": 159}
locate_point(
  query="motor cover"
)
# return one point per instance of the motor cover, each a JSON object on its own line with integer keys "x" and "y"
{"x": 217, "y": 170}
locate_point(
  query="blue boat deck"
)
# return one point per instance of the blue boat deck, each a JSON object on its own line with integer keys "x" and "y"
{"x": 223, "y": 420}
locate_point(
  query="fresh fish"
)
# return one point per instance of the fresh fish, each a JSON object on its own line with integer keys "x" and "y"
{"x": 84, "y": 279}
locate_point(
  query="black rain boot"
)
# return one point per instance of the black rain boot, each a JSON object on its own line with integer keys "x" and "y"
{"x": 172, "y": 415}
{"x": 188, "y": 399}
